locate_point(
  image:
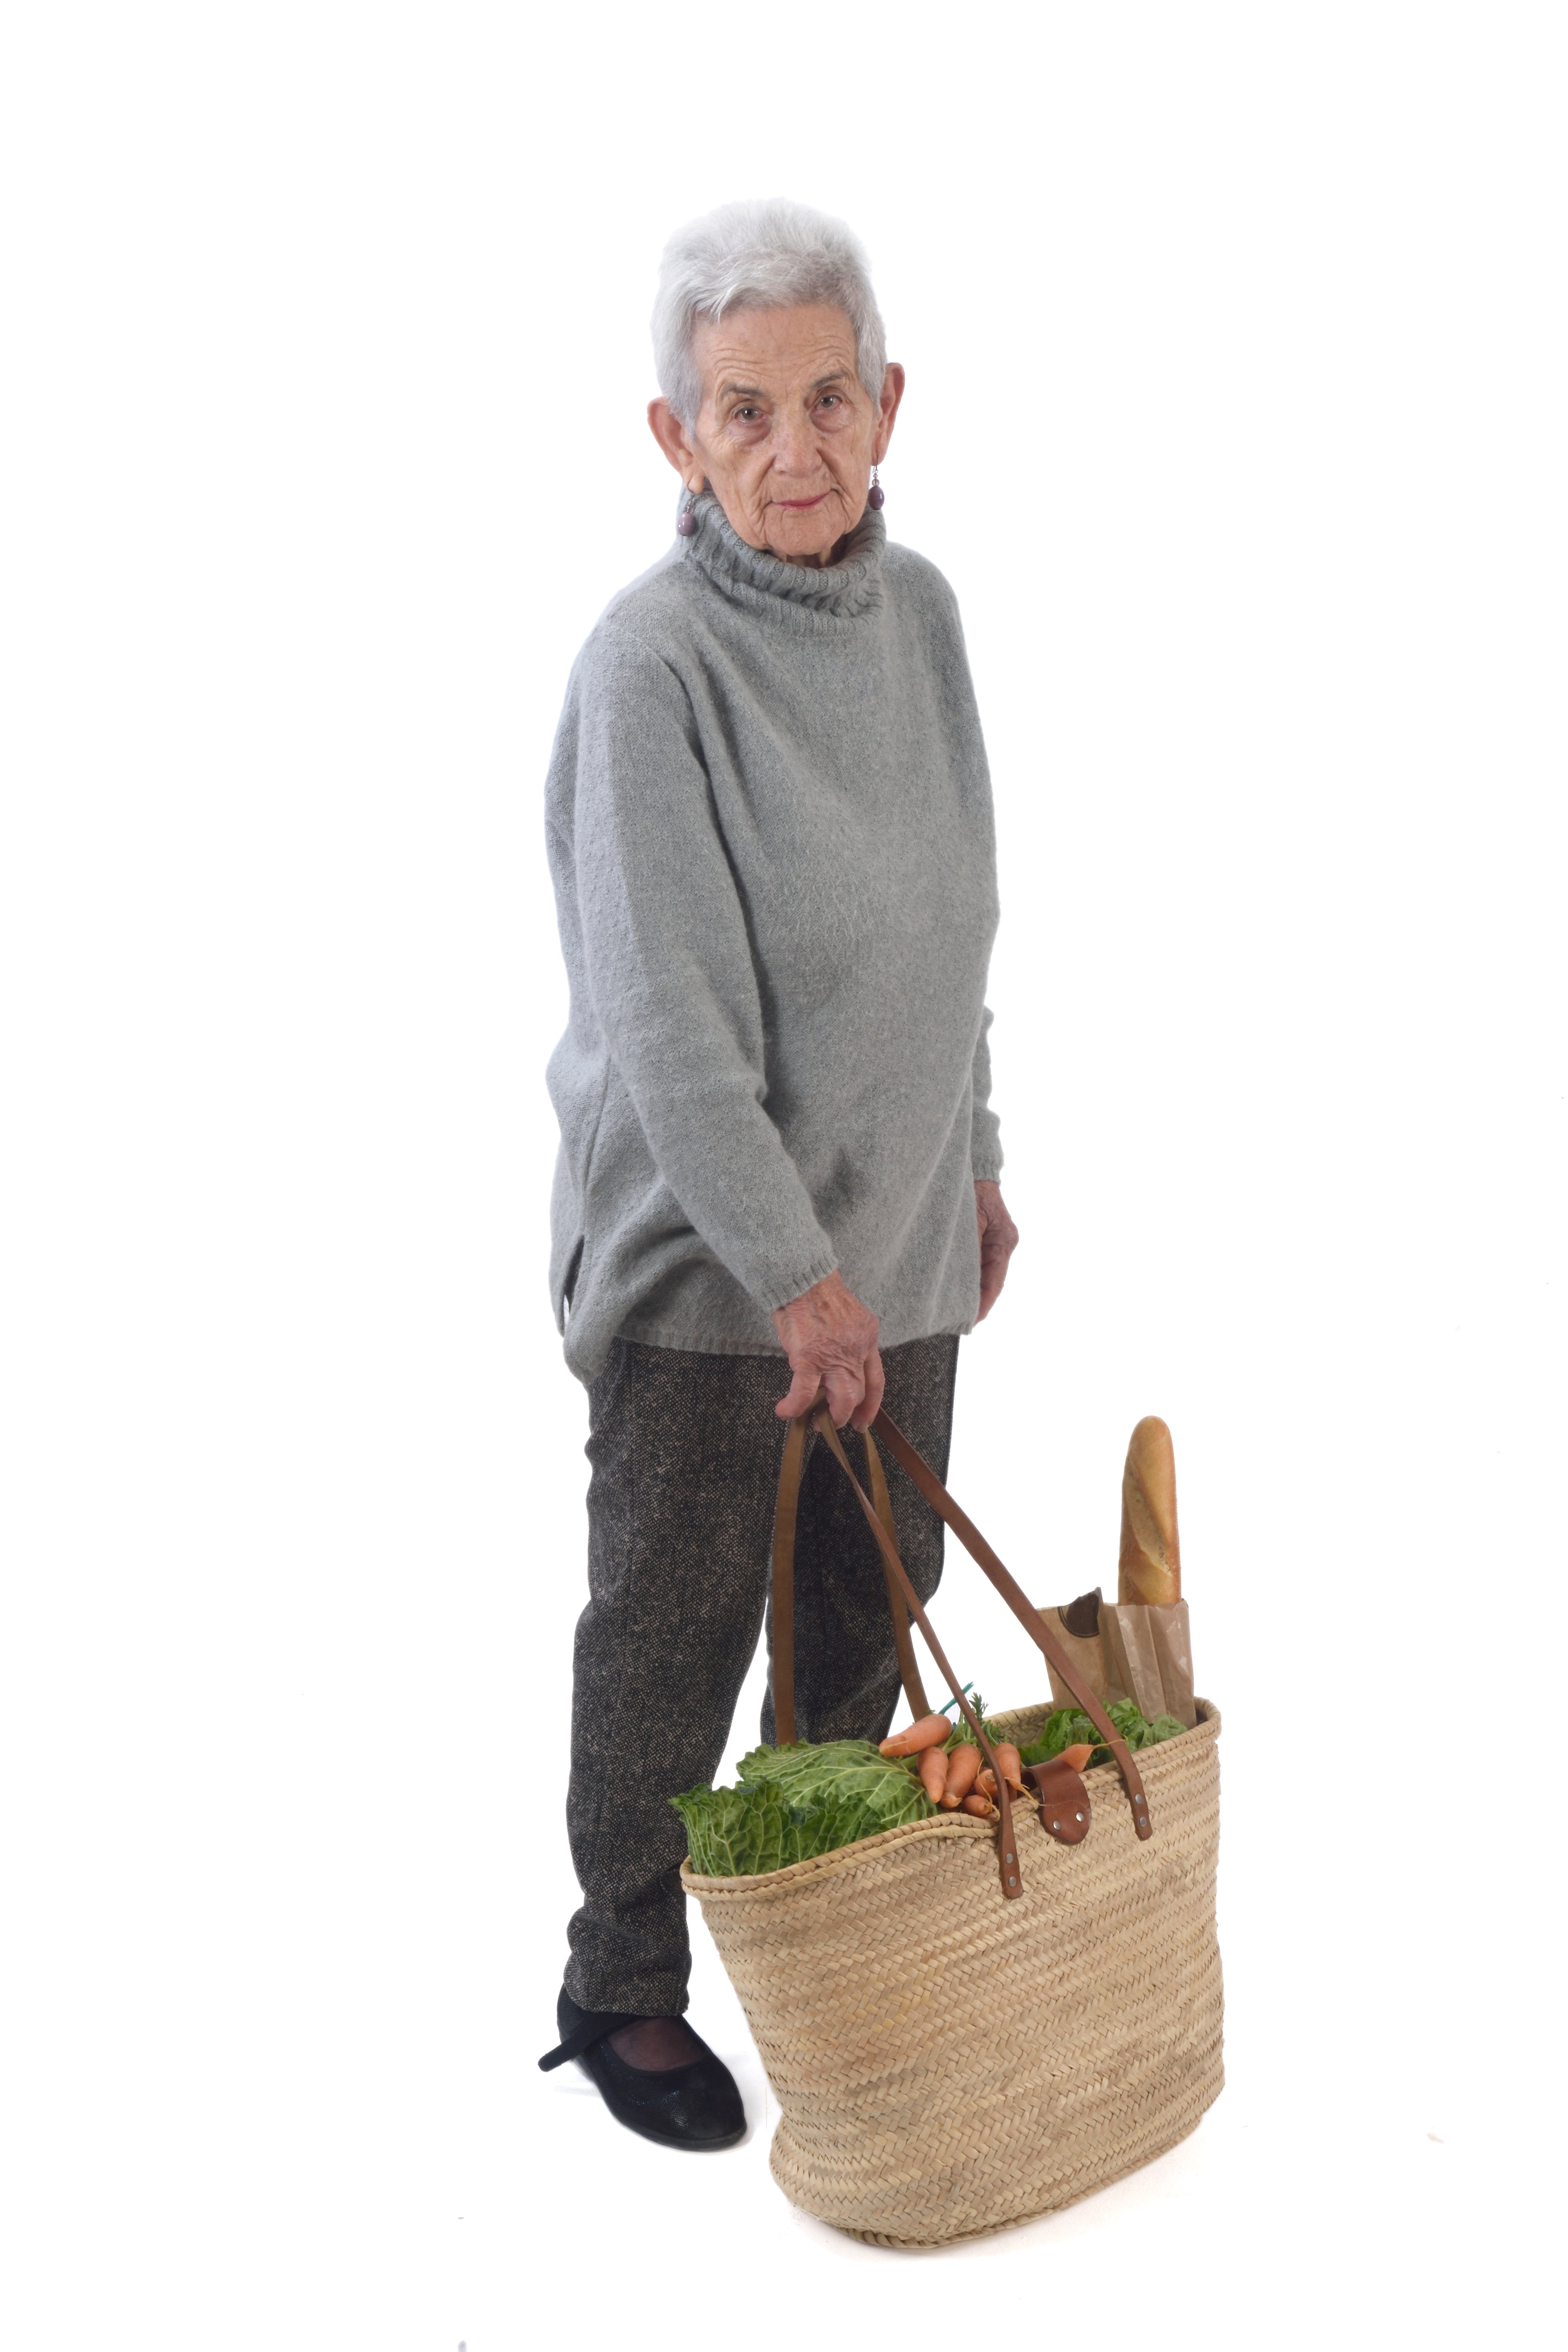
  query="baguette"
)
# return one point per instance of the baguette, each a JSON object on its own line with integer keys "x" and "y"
{"x": 1150, "y": 1569}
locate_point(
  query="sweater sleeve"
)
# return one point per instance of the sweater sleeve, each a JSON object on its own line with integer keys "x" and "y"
{"x": 670, "y": 971}
{"x": 985, "y": 1149}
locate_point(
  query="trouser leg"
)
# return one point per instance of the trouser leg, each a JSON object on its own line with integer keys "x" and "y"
{"x": 847, "y": 1669}
{"x": 685, "y": 1451}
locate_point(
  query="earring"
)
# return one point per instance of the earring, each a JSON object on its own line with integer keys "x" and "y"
{"x": 876, "y": 496}
{"x": 686, "y": 521}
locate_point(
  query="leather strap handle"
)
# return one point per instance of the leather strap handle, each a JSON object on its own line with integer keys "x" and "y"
{"x": 786, "y": 1512}
{"x": 909, "y": 1665}
{"x": 1008, "y": 1850}
{"x": 1028, "y": 1616}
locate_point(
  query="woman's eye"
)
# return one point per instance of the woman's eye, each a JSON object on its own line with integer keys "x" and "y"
{"x": 747, "y": 415}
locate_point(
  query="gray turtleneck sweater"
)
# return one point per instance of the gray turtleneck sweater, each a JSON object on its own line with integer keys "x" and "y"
{"x": 770, "y": 832}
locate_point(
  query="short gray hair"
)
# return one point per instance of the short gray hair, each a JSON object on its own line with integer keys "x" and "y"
{"x": 763, "y": 256}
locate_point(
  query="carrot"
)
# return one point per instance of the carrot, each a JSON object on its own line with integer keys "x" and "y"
{"x": 927, "y": 1733}
{"x": 1075, "y": 1756}
{"x": 985, "y": 1782}
{"x": 963, "y": 1765}
{"x": 933, "y": 1773}
{"x": 1012, "y": 1764}
{"x": 982, "y": 1806}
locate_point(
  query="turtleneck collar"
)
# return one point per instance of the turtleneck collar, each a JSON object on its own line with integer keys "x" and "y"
{"x": 750, "y": 576}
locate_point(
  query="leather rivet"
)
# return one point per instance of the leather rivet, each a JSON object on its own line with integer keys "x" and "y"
{"x": 1078, "y": 1817}
{"x": 1055, "y": 1825}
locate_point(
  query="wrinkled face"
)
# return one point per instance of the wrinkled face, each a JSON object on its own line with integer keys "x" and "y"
{"x": 787, "y": 433}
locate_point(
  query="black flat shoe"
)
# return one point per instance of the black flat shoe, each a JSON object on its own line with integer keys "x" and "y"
{"x": 682, "y": 2107}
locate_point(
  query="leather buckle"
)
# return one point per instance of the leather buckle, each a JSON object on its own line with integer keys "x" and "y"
{"x": 1065, "y": 1809}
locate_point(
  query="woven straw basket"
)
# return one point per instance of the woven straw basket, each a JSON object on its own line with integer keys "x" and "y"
{"x": 950, "y": 2062}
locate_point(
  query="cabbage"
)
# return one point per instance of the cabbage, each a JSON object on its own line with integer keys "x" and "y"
{"x": 793, "y": 1802}
{"x": 737, "y": 1833}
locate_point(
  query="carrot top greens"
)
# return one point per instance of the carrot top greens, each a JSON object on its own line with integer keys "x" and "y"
{"x": 1069, "y": 1729}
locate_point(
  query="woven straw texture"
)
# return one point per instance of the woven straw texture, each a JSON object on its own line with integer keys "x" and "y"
{"x": 949, "y": 2063}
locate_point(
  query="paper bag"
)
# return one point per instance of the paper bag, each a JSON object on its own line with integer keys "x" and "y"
{"x": 1148, "y": 1657}
{"x": 1074, "y": 1628}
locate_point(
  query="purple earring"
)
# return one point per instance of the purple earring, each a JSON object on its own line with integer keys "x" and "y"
{"x": 686, "y": 521}
{"x": 876, "y": 496}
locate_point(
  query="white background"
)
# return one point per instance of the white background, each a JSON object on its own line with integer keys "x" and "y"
{"x": 1236, "y": 397}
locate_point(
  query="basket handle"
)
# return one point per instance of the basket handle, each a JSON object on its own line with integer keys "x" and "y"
{"x": 901, "y": 1595}
{"x": 909, "y": 1665}
{"x": 925, "y": 1478}
{"x": 785, "y": 1513}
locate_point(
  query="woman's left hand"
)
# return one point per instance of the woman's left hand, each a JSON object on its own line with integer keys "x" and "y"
{"x": 998, "y": 1240}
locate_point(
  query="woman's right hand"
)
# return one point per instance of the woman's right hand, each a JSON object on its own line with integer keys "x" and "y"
{"x": 830, "y": 1340}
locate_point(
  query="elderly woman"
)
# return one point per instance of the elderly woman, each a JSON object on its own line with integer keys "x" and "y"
{"x": 771, "y": 836}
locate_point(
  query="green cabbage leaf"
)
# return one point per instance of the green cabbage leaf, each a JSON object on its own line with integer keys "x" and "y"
{"x": 737, "y": 1833}
{"x": 797, "y": 1801}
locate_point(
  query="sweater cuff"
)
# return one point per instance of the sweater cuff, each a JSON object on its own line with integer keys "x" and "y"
{"x": 780, "y": 1289}
{"x": 986, "y": 1172}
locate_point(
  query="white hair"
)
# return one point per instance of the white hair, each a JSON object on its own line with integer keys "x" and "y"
{"x": 767, "y": 255}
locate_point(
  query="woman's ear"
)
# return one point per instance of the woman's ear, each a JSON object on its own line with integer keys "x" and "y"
{"x": 887, "y": 410}
{"x": 671, "y": 433}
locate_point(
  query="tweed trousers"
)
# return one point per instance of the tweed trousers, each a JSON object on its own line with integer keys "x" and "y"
{"x": 685, "y": 1449}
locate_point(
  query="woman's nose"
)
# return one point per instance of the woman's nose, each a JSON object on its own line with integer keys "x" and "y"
{"x": 794, "y": 446}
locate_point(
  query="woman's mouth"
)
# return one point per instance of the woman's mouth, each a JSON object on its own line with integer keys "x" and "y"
{"x": 799, "y": 506}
